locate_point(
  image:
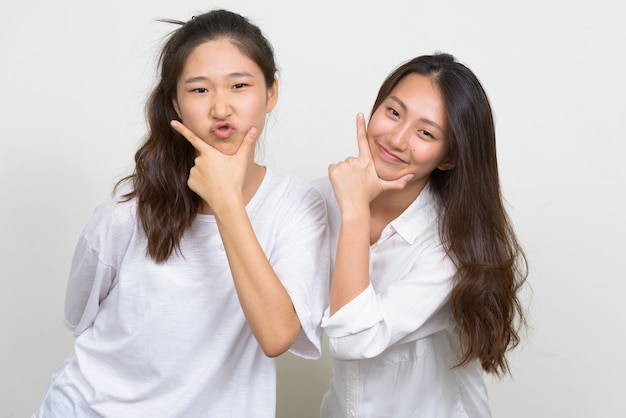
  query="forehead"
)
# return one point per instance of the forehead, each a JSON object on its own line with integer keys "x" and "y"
{"x": 218, "y": 55}
{"x": 421, "y": 95}
{"x": 418, "y": 86}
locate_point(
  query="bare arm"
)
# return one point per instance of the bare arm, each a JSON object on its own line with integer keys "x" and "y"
{"x": 264, "y": 300}
{"x": 355, "y": 184}
{"x": 219, "y": 179}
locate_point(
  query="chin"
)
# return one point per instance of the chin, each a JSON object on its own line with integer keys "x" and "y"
{"x": 226, "y": 147}
{"x": 385, "y": 174}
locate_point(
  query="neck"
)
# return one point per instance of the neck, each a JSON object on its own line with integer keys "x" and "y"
{"x": 390, "y": 204}
{"x": 394, "y": 202}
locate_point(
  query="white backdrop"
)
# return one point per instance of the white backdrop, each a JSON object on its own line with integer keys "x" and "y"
{"x": 74, "y": 76}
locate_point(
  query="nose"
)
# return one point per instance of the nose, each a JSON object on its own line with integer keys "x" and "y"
{"x": 400, "y": 137}
{"x": 220, "y": 105}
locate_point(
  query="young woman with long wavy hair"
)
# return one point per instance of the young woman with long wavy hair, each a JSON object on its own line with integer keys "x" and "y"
{"x": 427, "y": 267}
{"x": 203, "y": 264}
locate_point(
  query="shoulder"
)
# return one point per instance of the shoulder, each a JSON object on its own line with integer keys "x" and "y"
{"x": 292, "y": 188}
{"x": 291, "y": 198}
{"x": 323, "y": 186}
{"x": 119, "y": 206}
{"x": 115, "y": 216}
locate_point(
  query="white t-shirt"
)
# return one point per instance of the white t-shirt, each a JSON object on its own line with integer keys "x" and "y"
{"x": 170, "y": 339}
{"x": 393, "y": 346}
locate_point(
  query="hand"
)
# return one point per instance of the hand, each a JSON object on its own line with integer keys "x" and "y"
{"x": 218, "y": 178}
{"x": 355, "y": 181}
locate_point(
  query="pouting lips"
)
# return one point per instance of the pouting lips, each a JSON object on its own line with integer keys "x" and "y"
{"x": 222, "y": 130}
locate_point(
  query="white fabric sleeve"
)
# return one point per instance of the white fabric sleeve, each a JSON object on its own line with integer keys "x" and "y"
{"x": 409, "y": 309}
{"x": 94, "y": 265}
{"x": 89, "y": 282}
{"x": 301, "y": 260}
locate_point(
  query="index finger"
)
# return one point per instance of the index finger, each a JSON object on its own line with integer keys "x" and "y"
{"x": 361, "y": 136}
{"x": 188, "y": 134}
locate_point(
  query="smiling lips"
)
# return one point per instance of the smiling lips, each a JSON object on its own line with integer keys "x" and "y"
{"x": 389, "y": 156}
{"x": 223, "y": 130}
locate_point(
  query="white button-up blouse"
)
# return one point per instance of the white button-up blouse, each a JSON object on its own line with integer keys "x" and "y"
{"x": 394, "y": 346}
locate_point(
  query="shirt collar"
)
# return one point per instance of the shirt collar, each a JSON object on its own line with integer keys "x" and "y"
{"x": 417, "y": 217}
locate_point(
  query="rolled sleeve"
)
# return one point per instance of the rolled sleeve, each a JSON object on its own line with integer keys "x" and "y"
{"x": 360, "y": 314}
{"x": 409, "y": 309}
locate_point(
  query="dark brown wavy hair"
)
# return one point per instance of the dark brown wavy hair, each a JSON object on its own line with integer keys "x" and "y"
{"x": 474, "y": 226}
{"x": 166, "y": 206}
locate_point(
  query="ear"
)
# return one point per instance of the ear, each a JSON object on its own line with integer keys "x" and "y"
{"x": 447, "y": 164}
{"x": 272, "y": 96}
{"x": 176, "y": 108}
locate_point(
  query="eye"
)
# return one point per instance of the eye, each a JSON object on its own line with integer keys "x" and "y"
{"x": 426, "y": 133}
{"x": 393, "y": 112}
{"x": 239, "y": 86}
{"x": 200, "y": 90}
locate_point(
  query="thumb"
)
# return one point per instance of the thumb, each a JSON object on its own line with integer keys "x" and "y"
{"x": 397, "y": 184}
{"x": 249, "y": 141}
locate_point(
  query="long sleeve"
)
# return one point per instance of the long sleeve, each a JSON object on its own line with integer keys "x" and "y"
{"x": 410, "y": 282}
{"x": 408, "y": 309}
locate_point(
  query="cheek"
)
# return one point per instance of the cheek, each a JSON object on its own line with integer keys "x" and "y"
{"x": 378, "y": 125}
{"x": 377, "y": 131}
{"x": 258, "y": 111}
{"x": 184, "y": 108}
{"x": 425, "y": 153}
{"x": 250, "y": 104}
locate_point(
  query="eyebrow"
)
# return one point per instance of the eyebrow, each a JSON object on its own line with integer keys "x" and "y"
{"x": 236, "y": 74}
{"x": 427, "y": 121}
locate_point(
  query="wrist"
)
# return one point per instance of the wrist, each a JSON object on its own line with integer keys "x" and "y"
{"x": 225, "y": 205}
